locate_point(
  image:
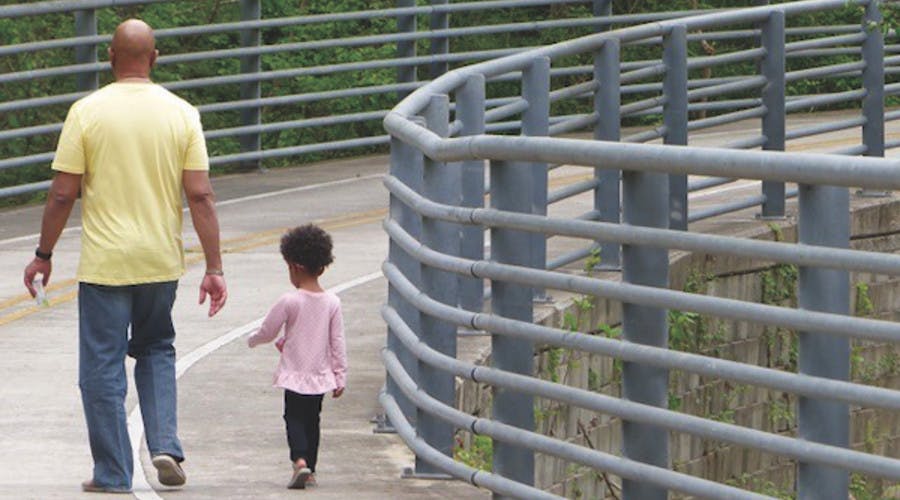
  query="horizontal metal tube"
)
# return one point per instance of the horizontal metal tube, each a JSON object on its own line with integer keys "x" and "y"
{"x": 631, "y": 411}
{"x": 473, "y": 476}
{"x": 334, "y": 68}
{"x": 713, "y": 121}
{"x": 572, "y": 190}
{"x": 835, "y": 69}
{"x": 823, "y": 100}
{"x": 24, "y": 189}
{"x": 830, "y": 41}
{"x": 808, "y": 168}
{"x": 571, "y": 452}
{"x": 748, "y": 143}
{"x": 299, "y": 150}
{"x": 727, "y": 58}
{"x": 294, "y": 124}
{"x": 307, "y": 97}
{"x": 573, "y": 256}
{"x": 725, "y": 88}
{"x": 851, "y": 150}
{"x": 638, "y": 88}
{"x": 647, "y": 135}
{"x": 39, "y": 102}
{"x": 726, "y": 208}
{"x": 640, "y": 74}
{"x": 700, "y": 184}
{"x": 800, "y": 255}
{"x": 574, "y": 124}
{"x": 634, "y": 107}
{"x": 40, "y": 8}
{"x": 18, "y": 133}
{"x": 821, "y": 128}
{"x": 21, "y": 161}
{"x": 799, "y": 384}
{"x": 505, "y": 111}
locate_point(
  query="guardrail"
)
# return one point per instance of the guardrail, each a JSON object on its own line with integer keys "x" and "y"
{"x": 254, "y": 82}
{"x": 442, "y": 147}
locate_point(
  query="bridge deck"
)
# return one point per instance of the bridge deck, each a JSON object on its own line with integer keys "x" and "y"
{"x": 230, "y": 417}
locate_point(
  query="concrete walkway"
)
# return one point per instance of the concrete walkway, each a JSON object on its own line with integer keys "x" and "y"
{"x": 230, "y": 417}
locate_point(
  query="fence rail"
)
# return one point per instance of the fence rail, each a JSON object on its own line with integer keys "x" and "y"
{"x": 443, "y": 136}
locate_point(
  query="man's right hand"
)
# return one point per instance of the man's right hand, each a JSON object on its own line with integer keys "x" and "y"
{"x": 35, "y": 267}
{"x": 214, "y": 286}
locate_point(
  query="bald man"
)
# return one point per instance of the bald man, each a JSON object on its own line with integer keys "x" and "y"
{"x": 131, "y": 149}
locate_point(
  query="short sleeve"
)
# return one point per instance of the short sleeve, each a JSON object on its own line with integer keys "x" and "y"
{"x": 70, "y": 157}
{"x": 196, "y": 157}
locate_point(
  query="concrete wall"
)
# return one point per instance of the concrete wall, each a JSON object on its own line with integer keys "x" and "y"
{"x": 875, "y": 227}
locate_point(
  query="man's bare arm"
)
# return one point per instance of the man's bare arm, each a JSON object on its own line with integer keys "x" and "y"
{"x": 60, "y": 200}
{"x": 201, "y": 202}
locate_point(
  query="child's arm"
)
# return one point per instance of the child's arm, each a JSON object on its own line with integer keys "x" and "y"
{"x": 338, "y": 351}
{"x": 271, "y": 325}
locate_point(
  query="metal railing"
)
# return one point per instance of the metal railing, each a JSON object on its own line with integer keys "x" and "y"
{"x": 443, "y": 143}
{"x": 245, "y": 87}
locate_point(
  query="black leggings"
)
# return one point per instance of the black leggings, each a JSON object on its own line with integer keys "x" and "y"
{"x": 301, "y": 417}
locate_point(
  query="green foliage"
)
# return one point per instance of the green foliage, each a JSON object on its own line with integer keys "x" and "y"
{"x": 863, "y": 305}
{"x": 178, "y": 13}
{"x": 761, "y": 486}
{"x": 479, "y": 454}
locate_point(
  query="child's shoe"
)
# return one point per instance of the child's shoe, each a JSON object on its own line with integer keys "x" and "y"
{"x": 300, "y": 477}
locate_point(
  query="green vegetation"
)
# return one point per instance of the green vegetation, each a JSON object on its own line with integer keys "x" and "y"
{"x": 478, "y": 455}
{"x": 189, "y": 13}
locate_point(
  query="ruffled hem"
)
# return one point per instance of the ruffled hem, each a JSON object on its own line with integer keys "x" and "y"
{"x": 305, "y": 383}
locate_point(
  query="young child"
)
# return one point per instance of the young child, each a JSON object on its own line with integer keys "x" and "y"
{"x": 313, "y": 355}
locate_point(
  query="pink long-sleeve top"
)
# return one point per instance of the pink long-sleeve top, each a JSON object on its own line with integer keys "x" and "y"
{"x": 313, "y": 355}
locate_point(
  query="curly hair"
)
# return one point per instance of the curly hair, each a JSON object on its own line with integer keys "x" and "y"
{"x": 308, "y": 246}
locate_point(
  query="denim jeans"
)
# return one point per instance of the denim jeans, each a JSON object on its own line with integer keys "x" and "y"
{"x": 107, "y": 314}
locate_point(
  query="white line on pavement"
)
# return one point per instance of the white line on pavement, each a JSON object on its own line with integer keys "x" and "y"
{"x": 232, "y": 201}
{"x": 141, "y": 488}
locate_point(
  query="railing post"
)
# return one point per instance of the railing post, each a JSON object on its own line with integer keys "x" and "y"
{"x": 406, "y": 49}
{"x": 825, "y": 221}
{"x": 536, "y": 122}
{"x": 675, "y": 117}
{"x": 773, "y": 122}
{"x": 509, "y": 246}
{"x": 602, "y": 8}
{"x": 441, "y": 185}
{"x": 607, "y": 102}
{"x": 250, "y": 142}
{"x": 86, "y": 25}
{"x": 440, "y": 46}
{"x": 645, "y": 202}
{"x": 873, "y": 83}
{"x": 470, "y": 111}
{"x": 406, "y": 166}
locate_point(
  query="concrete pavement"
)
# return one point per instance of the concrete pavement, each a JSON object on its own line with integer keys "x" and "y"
{"x": 230, "y": 417}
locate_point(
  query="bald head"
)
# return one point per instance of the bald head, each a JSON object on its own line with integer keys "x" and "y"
{"x": 133, "y": 50}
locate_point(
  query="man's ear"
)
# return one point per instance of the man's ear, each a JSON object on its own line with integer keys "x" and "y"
{"x": 153, "y": 58}
{"x": 112, "y": 57}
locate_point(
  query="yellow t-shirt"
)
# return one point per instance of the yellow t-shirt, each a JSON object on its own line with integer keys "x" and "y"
{"x": 131, "y": 142}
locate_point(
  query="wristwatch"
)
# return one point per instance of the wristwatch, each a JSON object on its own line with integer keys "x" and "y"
{"x": 41, "y": 255}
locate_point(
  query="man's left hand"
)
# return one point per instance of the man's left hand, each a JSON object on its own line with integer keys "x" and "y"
{"x": 214, "y": 286}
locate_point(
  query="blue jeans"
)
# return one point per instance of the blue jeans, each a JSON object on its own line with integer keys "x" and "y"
{"x": 105, "y": 315}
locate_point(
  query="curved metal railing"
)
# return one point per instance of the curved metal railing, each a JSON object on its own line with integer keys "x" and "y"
{"x": 442, "y": 147}
{"x": 248, "y": 84}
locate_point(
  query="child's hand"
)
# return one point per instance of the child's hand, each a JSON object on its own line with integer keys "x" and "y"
{"x": 279, "y": 344}
{"x": 337, "y": 392}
